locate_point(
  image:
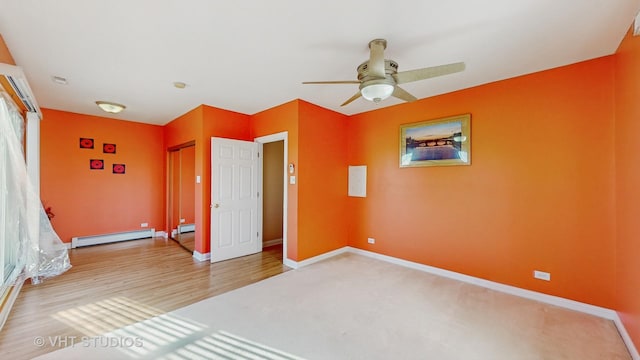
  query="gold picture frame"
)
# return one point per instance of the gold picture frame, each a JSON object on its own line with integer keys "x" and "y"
{"x": 438, "y": 142}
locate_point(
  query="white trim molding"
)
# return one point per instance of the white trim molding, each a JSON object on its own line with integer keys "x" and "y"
{"x": 633, "y": 351}
{"x": 508, "y": 289}
{"x": 315, "y": 259}
{"x": 281, "y": 136}
{"x": 33, "y": 150}
{"x": 200, "y": 256}
{"x": 512, "y": 290}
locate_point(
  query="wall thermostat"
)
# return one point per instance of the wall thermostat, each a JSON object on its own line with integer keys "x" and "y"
{"x": 291, "y": 168}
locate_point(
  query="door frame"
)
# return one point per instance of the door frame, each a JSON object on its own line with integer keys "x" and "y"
{"x": 281, "y": 136}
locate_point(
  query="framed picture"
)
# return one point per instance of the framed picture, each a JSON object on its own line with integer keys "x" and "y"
{"x": 439, "y": 142}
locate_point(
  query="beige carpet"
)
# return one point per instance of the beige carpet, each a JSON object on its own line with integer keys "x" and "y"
{"x": 353, "y": 307}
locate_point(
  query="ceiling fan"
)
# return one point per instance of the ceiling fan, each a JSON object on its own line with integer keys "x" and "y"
{"x": 379, "y": 77}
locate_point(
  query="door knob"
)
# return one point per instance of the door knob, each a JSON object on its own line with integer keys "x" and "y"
{"x": 216, "y": 205}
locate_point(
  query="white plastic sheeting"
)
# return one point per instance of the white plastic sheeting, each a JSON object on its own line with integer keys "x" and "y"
{"x": 29, "y": 241}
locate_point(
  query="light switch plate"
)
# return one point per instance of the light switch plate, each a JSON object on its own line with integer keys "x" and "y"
{"x": 292, "y": 180}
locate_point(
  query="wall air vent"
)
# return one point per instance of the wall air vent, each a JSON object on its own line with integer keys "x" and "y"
{"x": 14, "y": 83}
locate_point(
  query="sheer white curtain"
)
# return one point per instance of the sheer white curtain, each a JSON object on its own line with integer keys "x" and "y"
{"x": 28, "y": 244}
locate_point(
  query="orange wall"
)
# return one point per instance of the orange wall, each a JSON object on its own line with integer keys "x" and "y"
{"x": 5, "y": 54}
{"x": 538, "y": 194}
{"x": 278, "y": 119}
{"x": 322, "y": 176}
{"x": 199, "y": 125}
{"x": 90, "y": 202}
{"x": 216, "y": 123}
{"x": 184, "y": 128}
{"x": 627, "y": 149}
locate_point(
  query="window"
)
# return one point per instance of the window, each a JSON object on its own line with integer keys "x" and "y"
{"x": 10, "y": 197}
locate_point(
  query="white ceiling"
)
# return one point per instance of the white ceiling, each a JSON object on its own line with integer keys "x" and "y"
{"x": 250, "y": 55}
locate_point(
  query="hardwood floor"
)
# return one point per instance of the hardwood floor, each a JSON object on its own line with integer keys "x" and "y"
{"x": 157, "y": 274}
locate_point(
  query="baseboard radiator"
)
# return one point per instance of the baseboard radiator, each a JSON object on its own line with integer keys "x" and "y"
{"x": 110, "y": 238}
{"x": 184, "y": 228}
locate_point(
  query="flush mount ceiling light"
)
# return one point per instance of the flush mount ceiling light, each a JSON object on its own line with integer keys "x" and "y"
{"x": 110, "y": 107}
{"x": 179, "y": 85}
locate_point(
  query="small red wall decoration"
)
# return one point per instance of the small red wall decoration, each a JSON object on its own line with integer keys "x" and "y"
{"x": 86, "y": 143}
{"x": 118, "y": 168}
{"x": 109, "y": 148}
{"x": 96, "y": 164}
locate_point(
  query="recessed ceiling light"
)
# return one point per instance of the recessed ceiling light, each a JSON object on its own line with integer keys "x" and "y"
{"x": 179, "y": 85}
{"x": 59, "y": 80}
{"x": 110, "y": 107}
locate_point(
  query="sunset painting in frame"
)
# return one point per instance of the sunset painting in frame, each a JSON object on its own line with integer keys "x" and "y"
{"x": 439, "y": 142}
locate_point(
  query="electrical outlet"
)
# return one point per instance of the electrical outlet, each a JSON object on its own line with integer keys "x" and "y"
{"x": 371, "y": 240}
{"x": 542, "y": 275}
{"x": 143, "y": 225}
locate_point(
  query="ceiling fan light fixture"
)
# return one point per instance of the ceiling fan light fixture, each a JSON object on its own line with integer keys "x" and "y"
{"x": 110, "y": 107}
{"x": 377, "y": 92}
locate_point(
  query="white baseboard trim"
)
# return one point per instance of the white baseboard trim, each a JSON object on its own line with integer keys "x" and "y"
{"x": 290, "y": 263}
{"x": 162, "y": 234}
{"x": 67, "y": 245}
{"x": 626, "y": 338}
{"x": 315, "y": 259}
{"x": 512, "y": 290}
{"x": 200, "y": 256}
{"x": 508, "y": 289}
{"x": 271, "y": 242}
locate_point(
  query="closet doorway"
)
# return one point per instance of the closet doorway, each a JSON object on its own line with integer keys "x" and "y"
{"x": 182, "y": 187}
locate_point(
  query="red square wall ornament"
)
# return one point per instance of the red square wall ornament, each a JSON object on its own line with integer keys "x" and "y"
{"x": 86, "y": 143}
{"x": 96, "y": 164}
{"x": 109, "y": 148}
{"x": 119, "y": 168}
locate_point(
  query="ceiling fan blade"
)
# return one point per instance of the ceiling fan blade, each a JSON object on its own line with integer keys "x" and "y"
{"x": 333, "y": 82}
{"x": 376, "y": 58}
{"x": 426, "y": 73}
{"x": 351, "y": 99}
{"x": 402, "y": 94}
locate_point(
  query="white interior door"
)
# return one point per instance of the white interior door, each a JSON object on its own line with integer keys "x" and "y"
{"x": 234, "y": 199}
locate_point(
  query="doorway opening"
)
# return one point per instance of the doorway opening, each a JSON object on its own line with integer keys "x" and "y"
{"x": 273, "y": 206}
{"x": 272, "y": 193}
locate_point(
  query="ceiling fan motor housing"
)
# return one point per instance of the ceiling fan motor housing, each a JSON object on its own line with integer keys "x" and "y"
{"x": 367, "y": 81}
{"x": 390, "y": 68}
